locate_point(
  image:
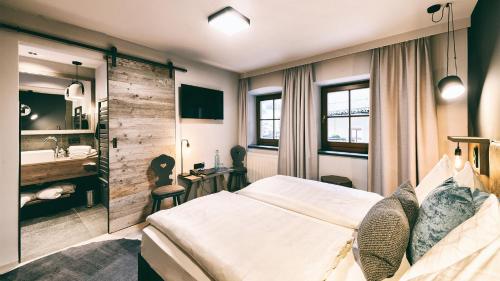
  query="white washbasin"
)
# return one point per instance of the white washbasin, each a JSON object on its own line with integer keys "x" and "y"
{"x": 37, "y": 156}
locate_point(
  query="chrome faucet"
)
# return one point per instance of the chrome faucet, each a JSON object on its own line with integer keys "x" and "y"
{"x": 56, "y": 148}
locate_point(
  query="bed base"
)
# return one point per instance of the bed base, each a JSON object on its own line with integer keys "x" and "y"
{"x": 145, "y": 272}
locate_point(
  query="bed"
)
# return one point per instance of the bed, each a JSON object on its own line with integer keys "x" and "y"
{"x": 278, "y": 228}
{"x": 179, "y": 243}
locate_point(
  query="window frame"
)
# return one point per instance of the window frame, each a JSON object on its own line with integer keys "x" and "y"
{"x": 258, "y": 99}
{"x": 341, "y": 146}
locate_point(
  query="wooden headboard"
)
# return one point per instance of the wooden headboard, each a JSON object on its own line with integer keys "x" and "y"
{"x": 494, "y": 181}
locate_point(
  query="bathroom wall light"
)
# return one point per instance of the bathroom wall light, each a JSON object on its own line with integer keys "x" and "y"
{"x": 229, "y": 21}
{"x": 75, "y": 90}
{"x": 34, "y": 116}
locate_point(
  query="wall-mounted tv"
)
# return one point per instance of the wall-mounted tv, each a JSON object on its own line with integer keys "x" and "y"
{"x": 201, "y": 103}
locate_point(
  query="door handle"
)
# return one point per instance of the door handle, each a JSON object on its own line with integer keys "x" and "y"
{"x": 114, "y": 141}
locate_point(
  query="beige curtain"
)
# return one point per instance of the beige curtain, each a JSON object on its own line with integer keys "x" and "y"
{"x": 403, "y": 122}
{"x": 243, "y": 86}
{"x": 298, "y": 147}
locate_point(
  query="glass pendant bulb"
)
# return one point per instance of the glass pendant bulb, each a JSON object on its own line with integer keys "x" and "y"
{"x": 458, "y": 158}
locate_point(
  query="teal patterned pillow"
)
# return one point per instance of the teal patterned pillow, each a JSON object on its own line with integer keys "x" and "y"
{"x": 443, "y": 209}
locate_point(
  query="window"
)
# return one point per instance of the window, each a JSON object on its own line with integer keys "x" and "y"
{"x": 268, "y": 119}
{"x": 345, "y": 121}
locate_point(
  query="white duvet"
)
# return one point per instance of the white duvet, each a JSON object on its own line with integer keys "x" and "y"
{"x": 332, "y": 203}
{"x": 234, "y": 237}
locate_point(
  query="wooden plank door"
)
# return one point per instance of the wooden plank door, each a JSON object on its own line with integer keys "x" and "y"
{"x": 141, "y": 127}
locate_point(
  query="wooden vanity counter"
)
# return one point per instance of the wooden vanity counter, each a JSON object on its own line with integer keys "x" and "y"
{"x": 59, "y": 169}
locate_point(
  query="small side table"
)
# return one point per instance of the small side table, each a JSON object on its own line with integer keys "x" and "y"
{"x": 338, "y": 180}
{"x": 190, "y": 180}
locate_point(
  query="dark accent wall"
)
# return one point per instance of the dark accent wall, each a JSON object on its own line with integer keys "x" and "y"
{"x": 484, "y": 70}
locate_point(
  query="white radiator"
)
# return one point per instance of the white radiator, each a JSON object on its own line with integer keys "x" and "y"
{"x": 261, "y": 164}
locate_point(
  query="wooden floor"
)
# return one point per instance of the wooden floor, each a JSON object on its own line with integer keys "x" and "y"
{"x": 44, "y": 235}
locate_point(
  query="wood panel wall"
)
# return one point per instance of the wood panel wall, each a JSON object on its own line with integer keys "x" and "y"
{"x": 142, "y": 118}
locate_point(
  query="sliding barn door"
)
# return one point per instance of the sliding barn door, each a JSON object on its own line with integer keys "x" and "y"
{"x": 141, "y": 127}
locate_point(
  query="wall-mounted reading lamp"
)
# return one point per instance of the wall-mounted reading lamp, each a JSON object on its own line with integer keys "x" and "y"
{"x": 182, "y": 157}
{"x": 478, "y": 153}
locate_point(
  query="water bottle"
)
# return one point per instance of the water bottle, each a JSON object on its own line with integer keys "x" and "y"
{"x": 217, "y": 160}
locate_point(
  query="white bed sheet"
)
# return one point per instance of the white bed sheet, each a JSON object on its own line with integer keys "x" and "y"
{"x": 170, "y": 262}
{"x": 332, "y": 203}
{"x": 233, "y": 237}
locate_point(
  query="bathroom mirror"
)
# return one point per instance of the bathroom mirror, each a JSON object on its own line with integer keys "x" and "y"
{"x": 44, "y": 107}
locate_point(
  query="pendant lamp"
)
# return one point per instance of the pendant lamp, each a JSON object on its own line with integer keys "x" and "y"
{"x": 75, "y": 90}
{"x": 450, "y": 86}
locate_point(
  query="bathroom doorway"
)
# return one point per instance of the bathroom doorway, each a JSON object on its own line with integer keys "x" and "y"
{"x": 63, "y": 191}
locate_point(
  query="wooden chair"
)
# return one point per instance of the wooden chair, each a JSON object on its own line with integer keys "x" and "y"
{"x": 162, "y": 167}
{"x": 238, "y": 177}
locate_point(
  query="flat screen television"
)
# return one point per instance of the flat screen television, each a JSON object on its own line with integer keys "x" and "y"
{"x": 201, "y": 103}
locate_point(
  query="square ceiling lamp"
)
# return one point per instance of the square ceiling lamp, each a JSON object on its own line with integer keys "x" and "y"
{"x": 229, "y": 21}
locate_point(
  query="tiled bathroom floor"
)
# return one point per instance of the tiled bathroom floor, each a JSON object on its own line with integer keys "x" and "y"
{"x": 43, "y": 235}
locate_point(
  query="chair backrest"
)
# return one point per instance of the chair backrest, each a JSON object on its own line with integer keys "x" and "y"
{"x": 162, "y": 167}
{"x": 238, "y": 154}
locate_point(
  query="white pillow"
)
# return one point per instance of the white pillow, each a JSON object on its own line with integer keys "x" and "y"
{"x": 27, "y": 197}
{"x": 67, "y": 187}
{"x": 469, "y": 250}
{"x": 441, "y": 172}
{"x": 467, "y": 178}
{"x": 49, "y": 193}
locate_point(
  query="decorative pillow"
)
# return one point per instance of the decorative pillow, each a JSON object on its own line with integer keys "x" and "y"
{"x": 442, "y": 171}
{"x": 383, "y": 235}
{"x": 408, "y": 199}
{"x": 444, "y": 209}
{"x": 49, "y": 193}
{"x": 469, "y": 242}
{"x": 467, "y": 177}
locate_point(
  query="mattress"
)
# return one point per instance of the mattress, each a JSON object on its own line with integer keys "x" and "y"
{"x": 232, "y": 237}
{"x": 332, "y": 203}
{"x": 172, "y": 264}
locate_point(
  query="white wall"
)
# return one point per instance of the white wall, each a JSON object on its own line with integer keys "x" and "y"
{"x": 452, "y": 115}
{"x": 338, "y": 70}
{"x": 205, "y": 136}
{"x": 9, "y": 148}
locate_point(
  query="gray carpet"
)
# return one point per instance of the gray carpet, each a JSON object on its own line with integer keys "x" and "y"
{"x": 113, "y": 260}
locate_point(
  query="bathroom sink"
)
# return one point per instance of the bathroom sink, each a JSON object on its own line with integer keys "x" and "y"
{"x": 36, "y": 156}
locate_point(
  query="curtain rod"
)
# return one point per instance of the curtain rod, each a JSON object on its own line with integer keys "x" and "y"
{"x": 113, "y": 51}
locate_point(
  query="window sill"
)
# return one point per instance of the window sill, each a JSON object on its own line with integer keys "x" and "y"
{"x": 343, "y": 154}
{"x": 265, "y": 147}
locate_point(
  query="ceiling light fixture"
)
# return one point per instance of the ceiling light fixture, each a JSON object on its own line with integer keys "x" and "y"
{"x": 75, "y": 90}
{"x": 450, "y": 86}
{"x": 229, "y": 21}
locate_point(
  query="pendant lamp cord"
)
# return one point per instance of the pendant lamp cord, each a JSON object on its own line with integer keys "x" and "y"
{"x": 76, "y": 65}
{"x": 448, "y": 40}
{"x": 454, "y": 44}
{"x": 450, "y": 13}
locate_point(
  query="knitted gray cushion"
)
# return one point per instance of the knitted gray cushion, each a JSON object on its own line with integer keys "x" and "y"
{"x": 383, "y": 235}
{"x": 408, "y": 199}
